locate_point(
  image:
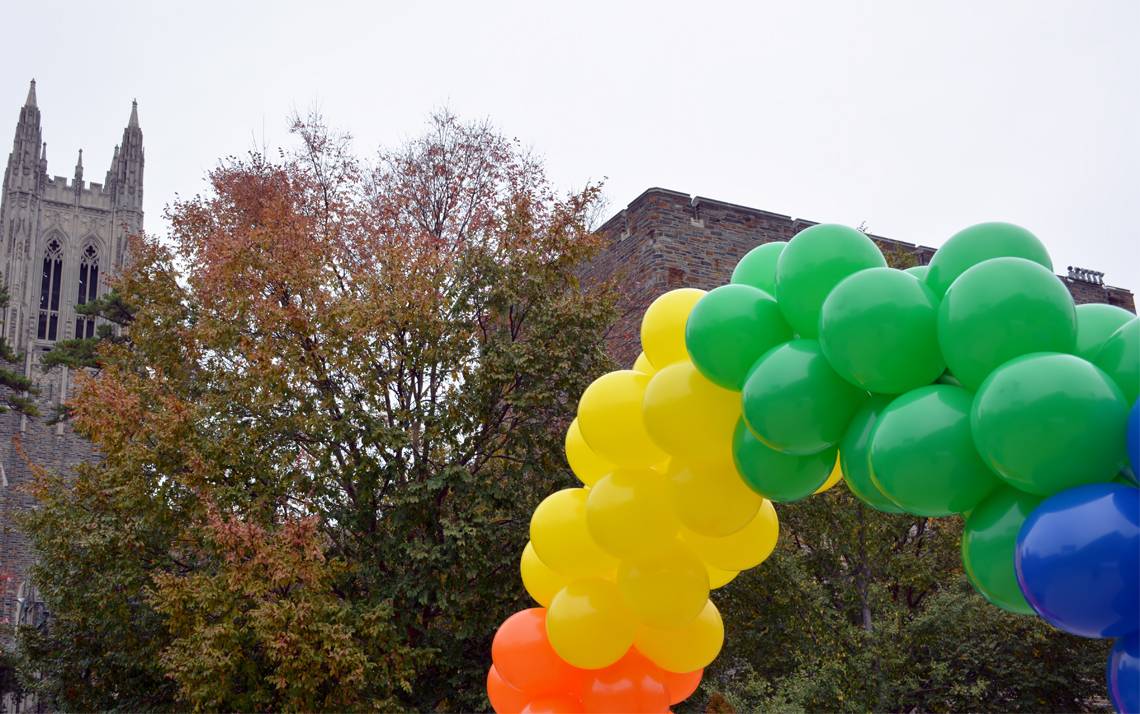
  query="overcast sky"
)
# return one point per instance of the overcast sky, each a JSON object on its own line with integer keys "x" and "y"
{"x": 918, "y": 118}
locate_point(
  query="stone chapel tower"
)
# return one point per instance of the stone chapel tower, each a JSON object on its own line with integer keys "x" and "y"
{"x": 59, "y": 239}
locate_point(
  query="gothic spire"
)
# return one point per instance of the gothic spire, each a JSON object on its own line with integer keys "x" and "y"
{"x": 25, "y": 169}
{"x": 79, "y": 169}
{"x": 127, "y": 166}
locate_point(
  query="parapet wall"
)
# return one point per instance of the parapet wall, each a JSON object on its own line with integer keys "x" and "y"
{"x": 667, "y": 239}
{"x": 59, "y": 189}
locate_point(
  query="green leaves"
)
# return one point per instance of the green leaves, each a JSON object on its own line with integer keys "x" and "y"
{"x": 15, "y": 389}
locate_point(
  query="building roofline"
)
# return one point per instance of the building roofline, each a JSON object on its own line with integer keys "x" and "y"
{"x": 699, "y": 201}
{"x": 695, "y": 202}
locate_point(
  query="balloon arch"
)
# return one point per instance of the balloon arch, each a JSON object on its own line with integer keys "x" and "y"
{"x": 970, "y": 386}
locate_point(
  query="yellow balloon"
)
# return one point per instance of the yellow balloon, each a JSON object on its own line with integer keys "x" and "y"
{"x": 719, "y": 578}
{"x": 690, "y": 417}
{"x": 586, "y": 465}
{"x": 630, "y": 516}
{"x": 562, "y": 540}
{"x": 642, "y": 365}
{"x": 665, "y": 592}
{"x": 539, "y": 580}
{"x": 744, "y": 549}
{"x": 835, "y": 477}
{"x": 663, "y": 326}
{"x": 589, "y": 625}
{"x": 610, "y": 419}
{"x": 686, "y": 648}
{"x": 711, "y": 499}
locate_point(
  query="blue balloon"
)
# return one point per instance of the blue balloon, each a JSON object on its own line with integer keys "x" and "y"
{"x": 1133, "y": 439}
{"x": 1078, "y": 560}
{"x": 1124, "y": 675}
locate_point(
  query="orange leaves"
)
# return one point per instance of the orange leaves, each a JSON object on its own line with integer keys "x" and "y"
{"x": 271, "y": 594}
{"x": 291, "y": 555}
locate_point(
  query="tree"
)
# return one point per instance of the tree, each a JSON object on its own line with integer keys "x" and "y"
{"x": 322, "y": 441}
{"x": 864, "y": 611}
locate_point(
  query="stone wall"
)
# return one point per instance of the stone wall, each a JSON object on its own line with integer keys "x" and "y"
{"x": 25, "y": 441}
{"x": 666, "y": 239}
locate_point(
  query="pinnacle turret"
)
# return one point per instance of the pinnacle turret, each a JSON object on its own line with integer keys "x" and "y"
{"x": 79, "y": 169}
{"x": 125, "y": 176}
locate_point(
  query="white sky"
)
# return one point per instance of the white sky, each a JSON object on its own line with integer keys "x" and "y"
{"x": 917, "y": 117}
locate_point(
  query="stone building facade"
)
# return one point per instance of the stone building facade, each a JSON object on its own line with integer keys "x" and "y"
{"x": 59, "y": 239}
{"x": 667, "y": 239}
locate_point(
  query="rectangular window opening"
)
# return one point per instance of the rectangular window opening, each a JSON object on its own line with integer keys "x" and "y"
{"x": 82, "y": 284}
{"x": 45, "y": 284}
{"x": 58, "y": 268}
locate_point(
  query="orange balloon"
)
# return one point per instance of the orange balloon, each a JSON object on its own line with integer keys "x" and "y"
{"x": 682, "y": 686}
{"x": 553, "y": 705}
{"x": 632, "y": 684}
{"x": 504, "y": 698}
{"x": 523, "y": 657}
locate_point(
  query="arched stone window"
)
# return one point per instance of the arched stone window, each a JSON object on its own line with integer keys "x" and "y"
{"x": 88, "y": 290}
{"x": 49, "y": 291}
{"x": 30, "y": 608}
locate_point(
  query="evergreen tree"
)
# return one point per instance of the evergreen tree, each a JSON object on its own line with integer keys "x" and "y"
{"x": 17, "y": 389}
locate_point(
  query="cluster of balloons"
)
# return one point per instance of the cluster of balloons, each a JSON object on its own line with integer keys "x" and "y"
{"x": 971, "y": 386}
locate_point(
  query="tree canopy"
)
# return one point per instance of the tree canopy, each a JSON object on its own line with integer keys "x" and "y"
{"x": 339, "y": 391}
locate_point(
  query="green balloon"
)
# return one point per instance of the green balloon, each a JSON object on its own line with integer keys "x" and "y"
{"x": 795, "y": 402}
{"x": 855, "y": 455}
{"x": 1095, "y": 324}
{"x": 918, "y": 271}
{"x": 813, "y": 263}
{"x": 980, "y": 243}
{"x": 1001, "y": 309}
{"x": 729, "y": 329}
{"x": 989, "y": 539}
{"x": 923, "y": 456}
{"x": 758, "y": 267}
{"x": 775, "y": 476}
{"x": 1119, "y": 357}
{"x": 1048, "y": 422}
{"x": 879, "y": 330}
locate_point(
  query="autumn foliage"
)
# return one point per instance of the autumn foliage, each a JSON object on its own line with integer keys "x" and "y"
{"x": 340, "y": 390}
